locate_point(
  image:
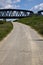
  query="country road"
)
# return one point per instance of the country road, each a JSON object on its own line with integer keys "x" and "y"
{"x": 23, "y": 46}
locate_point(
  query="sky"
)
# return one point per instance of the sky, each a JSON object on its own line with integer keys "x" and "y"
{"x": 34, "y": 5}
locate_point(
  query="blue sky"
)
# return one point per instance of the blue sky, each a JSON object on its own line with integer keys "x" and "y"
{"x": 33, "y": 5}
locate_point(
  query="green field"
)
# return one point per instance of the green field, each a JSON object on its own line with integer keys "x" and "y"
{"x": 5, "y": 28}
{"x": 35, "y": 21}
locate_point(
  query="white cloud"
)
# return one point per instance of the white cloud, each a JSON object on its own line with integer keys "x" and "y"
{"x": 11, "y": 6}
{"x": 15, "y": 1}
{"x": 37, "y": 7}
{"x": 8, "y": 6}
{"x": 9, "y": 3}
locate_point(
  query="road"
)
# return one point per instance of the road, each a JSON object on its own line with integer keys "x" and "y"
{"x": 23, "y": 46}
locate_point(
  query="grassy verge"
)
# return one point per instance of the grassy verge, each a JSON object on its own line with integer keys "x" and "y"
{"x": 5, "y": 28}
{"x": 35, "y": 22}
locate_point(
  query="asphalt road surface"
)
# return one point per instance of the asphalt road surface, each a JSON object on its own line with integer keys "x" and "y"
{"x": 23, "y": 46}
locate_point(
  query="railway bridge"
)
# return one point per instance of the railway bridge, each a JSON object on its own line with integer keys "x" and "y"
{"x": 14, "y": 13}
{"x": 40, "y": 12}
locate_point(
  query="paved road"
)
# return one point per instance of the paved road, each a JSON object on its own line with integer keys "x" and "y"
{"x": 23, "y": 46}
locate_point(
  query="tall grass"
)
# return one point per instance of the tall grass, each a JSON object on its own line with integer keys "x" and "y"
{"x": 35, "y": 22}
{"x": 5, "y": 28}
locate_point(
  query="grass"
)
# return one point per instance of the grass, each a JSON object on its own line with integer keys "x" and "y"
{"x": 5, "y": 28}
{"x": 35, "y": 21}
